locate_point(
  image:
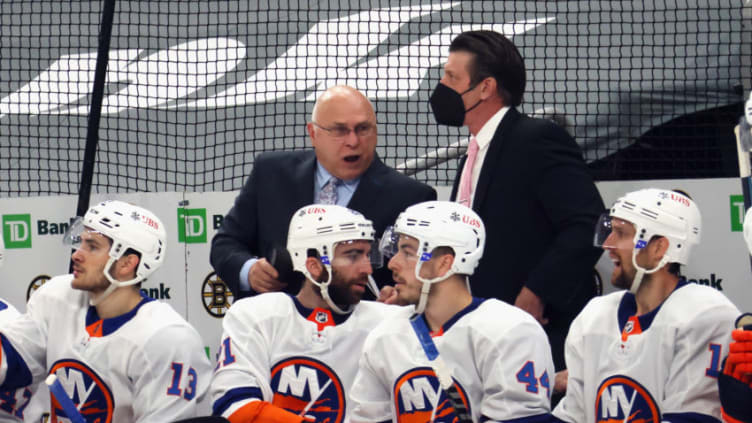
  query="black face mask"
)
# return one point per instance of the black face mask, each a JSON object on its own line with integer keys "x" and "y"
{"x": 448, "y": 107}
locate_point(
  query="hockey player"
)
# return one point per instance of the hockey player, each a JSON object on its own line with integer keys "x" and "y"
{"x": 458, "y": 358}
{"x": 13, "y": 402}
{"x": 651, "y": 353}
{"x": 292, "y": 359}
{"x": 120, "y": 356}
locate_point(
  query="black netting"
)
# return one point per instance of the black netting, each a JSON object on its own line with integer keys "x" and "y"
{"x": 195, "y": 90}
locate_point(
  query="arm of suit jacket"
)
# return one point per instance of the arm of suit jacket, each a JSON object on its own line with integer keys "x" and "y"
{"x": 234, "y": 242}
{"x": 565, "y": 190}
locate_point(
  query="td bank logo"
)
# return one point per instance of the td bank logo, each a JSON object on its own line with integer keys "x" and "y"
{"x": 17, "y": 230}
{"x": 192, "y": 226}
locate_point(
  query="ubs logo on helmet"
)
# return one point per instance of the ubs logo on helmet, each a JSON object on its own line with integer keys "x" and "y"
{"x": 623, "y": 399}
{"x": 85, "y": 388}
{"x": 415, "y": 394}
{"x": 298, "y": 382}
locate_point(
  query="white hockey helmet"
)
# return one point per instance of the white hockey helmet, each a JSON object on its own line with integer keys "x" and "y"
{"x": 655, "y": 212}
{"x": 748, "y": 109}
{"x": 130, "y": 227}
{"x": 439, "y": 224}
{"x": 321, "y": 227}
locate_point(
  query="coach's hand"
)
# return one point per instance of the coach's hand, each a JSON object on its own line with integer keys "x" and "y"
{"x": 263, "y": 277}
{"x": 528, "y": 301}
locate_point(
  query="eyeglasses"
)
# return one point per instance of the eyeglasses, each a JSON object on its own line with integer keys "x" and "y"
{"x": 361, "y": 130}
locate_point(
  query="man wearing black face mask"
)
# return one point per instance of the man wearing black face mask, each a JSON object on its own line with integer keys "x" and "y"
{"x": 527, "y": 180}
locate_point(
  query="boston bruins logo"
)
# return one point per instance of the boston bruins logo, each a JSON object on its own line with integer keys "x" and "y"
{"x": 216, "y": 295}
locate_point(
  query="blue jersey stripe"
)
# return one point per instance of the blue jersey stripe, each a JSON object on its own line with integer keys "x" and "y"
{"x": 18, "y": 374}
{"x": 234, "y": 395}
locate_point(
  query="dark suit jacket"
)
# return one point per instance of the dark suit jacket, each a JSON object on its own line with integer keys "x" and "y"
{"x": 540, "y": 206}
{"x": 283, "y": 182}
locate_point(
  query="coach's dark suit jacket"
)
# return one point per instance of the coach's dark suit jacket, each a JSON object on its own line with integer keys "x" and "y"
{"x": 283, "y": 182}
{"x": 540, "y": 206}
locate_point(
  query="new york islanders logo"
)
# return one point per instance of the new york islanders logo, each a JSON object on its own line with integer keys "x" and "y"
{"x": 85, "y": 388}
{"x": 417, "y": 392}
{"x": 622, "y": 399}
{"x": 308, "y": 386}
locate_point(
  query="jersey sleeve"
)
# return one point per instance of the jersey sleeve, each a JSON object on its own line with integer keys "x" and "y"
{"x": 571, "y": 408}
{"x": 692, "y": 386}
{"x": 517, "y": 372}
{"x": 24, "y": 345}
{"x": 370, "y": 393}
{"x": 173, "y": 377}
{"x": 242, "y": 371}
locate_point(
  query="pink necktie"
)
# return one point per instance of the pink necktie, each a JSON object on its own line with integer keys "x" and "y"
{"x": 465, "y": 194}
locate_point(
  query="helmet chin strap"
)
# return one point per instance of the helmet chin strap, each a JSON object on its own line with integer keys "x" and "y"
{"x": 324, "y": 288}
{"x": 423, "y": 301}
{"x": 95, "y": 299}
{"x": 641, "y": 272}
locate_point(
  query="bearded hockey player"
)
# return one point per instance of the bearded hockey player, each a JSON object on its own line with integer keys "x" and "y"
{"x": 451, "y": 357}
{"x": 292, "y": 359}
{"x": 651, "y": 352}
{"x": 120, "y": 356}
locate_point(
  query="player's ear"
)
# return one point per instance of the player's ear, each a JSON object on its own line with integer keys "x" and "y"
{"x": 125, "y": 267}
{"x": 315, "y": 267}
{"x": 657, "y": 248}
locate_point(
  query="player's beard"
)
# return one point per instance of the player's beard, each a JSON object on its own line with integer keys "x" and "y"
{"x": 340, "y": 290}
{"x": 622, "y": 281}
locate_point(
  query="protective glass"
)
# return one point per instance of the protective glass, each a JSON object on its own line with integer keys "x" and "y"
{"x": 72, "y": 236}
{"x": 349, "y": 253}
{"x": 389, "y": 243}
{"x": 614, "y": 233}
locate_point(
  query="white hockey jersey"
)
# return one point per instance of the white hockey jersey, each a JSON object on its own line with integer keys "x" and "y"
{"x": 498, "y": 354}
{"x": 147, "y": 365}
{"x": 659, "y": 367}
{"x": 276, "y": 350}
{"x": 13, "y": 402}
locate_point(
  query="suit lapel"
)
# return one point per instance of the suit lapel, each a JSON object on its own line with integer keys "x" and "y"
{"x": 304, "y": 181}
{"x": 457, "y": 176}
{"x": 492, "y": 157}
{"x": 369, "y": 187}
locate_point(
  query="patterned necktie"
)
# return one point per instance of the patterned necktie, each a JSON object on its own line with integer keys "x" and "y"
{"x": 464, "y": 196}
{"x": 328, "y": 193}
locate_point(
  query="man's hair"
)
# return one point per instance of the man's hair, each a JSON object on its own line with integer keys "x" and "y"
{"x": 494, "y": 55}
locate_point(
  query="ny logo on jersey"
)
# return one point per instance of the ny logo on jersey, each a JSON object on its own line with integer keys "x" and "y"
{"x": 305, "y": 384}
{"x": 85, "y": 388}
{"x": 622, "y": 399}
{"x": 417, "y": 393}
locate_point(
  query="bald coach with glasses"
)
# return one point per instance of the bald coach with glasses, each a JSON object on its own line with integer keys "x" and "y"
{"x": 343, "y": 168}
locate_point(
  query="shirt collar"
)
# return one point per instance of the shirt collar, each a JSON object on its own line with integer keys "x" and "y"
{"x": 628, "y": 308}
{"x": 488, "y": 130}
{"x": 97, "y": 327}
